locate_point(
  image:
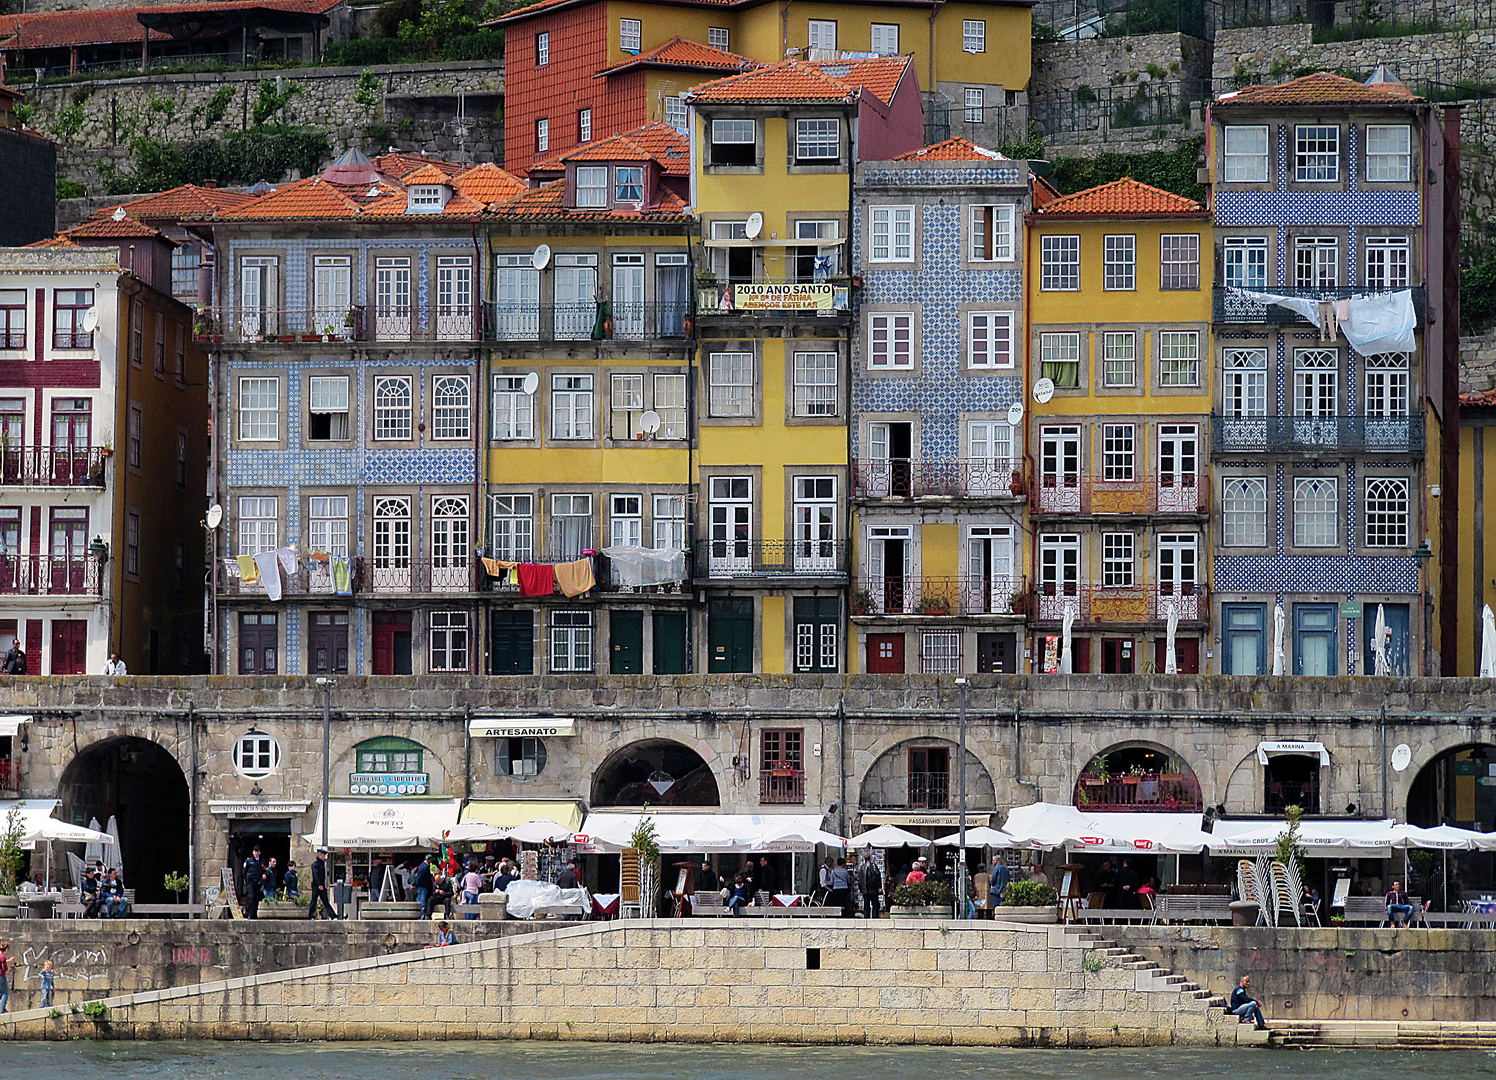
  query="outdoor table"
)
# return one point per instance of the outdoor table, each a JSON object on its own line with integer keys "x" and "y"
{"x": 605, "y": 904}
{"x": 39, "y": 905}
{"x": 786, "y": 900}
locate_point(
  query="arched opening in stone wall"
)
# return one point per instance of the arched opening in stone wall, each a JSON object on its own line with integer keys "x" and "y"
{"x": 659, "y": 772}
{"x": 1456, "y": 788}
{"x": 140, "y": 785}
{"x": 1138, "y": 776}
{"x": 924, "y": 774}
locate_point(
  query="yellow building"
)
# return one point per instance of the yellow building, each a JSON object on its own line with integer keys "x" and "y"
{"x": 772, "y": 187}
{"x": 1476, "y": 553}
{"x": 1119, "y": 363}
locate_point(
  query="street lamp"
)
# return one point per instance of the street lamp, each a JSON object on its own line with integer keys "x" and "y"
{"x": 326, "y": 685}
{"x": 961, "y": 685}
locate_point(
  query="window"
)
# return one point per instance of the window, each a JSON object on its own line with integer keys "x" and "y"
{"x": 1245, "y": 155}
{"x": 884, "y": 40}
{"x": 1387, "y": 262}
{"x": 592, "y": 185}
{"x": 181, "y": 459}
{"x": 1316, "y": 153}
{"x": 1387, "y": 386}
{"x": 571, "y": 525}
{"x": 327, "y": 525}
{"x": 135, "y": 436}
{"x": 992, "y": 229}
{"x": 513, "y": 527}
{"x": 137, "y": 333}
{"x": 12, "y": 318}
{"x": 940, "y": 652}
{"x": 627, "y": 405}
{"x": 626, "y": 521}
{"x": 730, "y": 391}
{"x": 259, "y": 409}
{"x": 1245, "y": 390}
{"x": 1119, "y": 358}
{"x": 571, "y": 641}
{"x": 1389, "y": 153}
{"x": 1119, "y": 263}
{"x": 1060, "y": 359}
{"x": 392, "y": 407}
{"x": 974, "y": 101}
{"x": 1316, "y": 516}
{"x": 670, "y": 403}
{"x": 181, "y": 355}
{"x": 520, "y": 758}
{"x": 1117, "y": 560}
{"x": 628, "y": 184}
{"x": 1244, "y": 641}
{"x": 1179, "y": 358}
{"x": 132, "y": 543}
{"x": 974, "y": 35}
{"x": 817, "y": 260}
{"x": 989, "y": 339}
{"x": 817, "y": 139}
{"x": 893, "y": 234}
{"x": 1246, "y": 262}
{"x": 670, "y": 522}
{"x": 256, "y": 755}
{"x": 629, "y": 31}
{"x": 821, "y": 34}
{"x": 184, "y": 263}
{"x": 405, "y": 758}
{"x": 513, "y": 413}
{"x": 1179, "y": 261}
{"x": 449, "y": 407}
{"x": 543, "y": 134}
{"x": 815, "y": 384}
{"x": 1316, "y": 262}
{"x": 781, "y": 749}
{"x": 817, "y": 648}
{"x": 571, "y": 406}
{"x": 542, "y": 49}
{"x": 68, "y": 309}
{"x": 259, "y": 518}
{"x": 1316, "y": 382}
{"x": 1386, "y": 511}
{"x": 426, "y": 199}
{"x": 1118, "y": 452}
{"x": 734, "y": 142}
{"x": 1244, "y": 512}
{"x": 449, "y": 641}
{"x": 719, "y": 37}
{"x": 160, "y": 346}
{"x": 1059, "y": 263}
{"x": 890, "y": 340}
{"x": 677, "y": 115}
{"x": 327, "y": 398}
{"x": 584, "y": 126}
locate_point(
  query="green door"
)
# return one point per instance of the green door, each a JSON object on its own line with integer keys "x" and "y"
{"x": 512, "y": 642}
{"x": 729, "y": 635}
{"x": 626, "y": 642}
{"x": 670, "y": 655}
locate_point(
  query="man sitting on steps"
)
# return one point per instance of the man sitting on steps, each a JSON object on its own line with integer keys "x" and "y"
{"x": 1242, "y": 1004}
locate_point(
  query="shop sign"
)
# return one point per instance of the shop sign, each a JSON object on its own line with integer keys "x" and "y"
{"x": 388, "y": 784}
{"x": 787, "y": 296}
{"x": 241, "y": 809}
{"x": 481, "y": 727}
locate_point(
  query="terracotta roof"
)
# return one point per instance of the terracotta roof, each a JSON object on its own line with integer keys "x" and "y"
{"x": 546, "y": 201}
{"x": 105, "y": 228}
{"x": 652, "y": 142}
{"x": 53, "y": 29}
{"x": 1321, "y": 88}
{"x": 186, "y": 201}
{"x": 1122, "y": 198}
{"x": 681, "y": 53}
{"x": 1481, "y": 399}
{"x": 954, "y": 149}
{"x": 319, "y": 198}
{"x": 545, "y": 5}
{"x": 802, "y": 80}
{"x": 400, "y": 164}
{"x": 426, "y": 175}
{"x": 314, "y": 198}
{"x": 487, "y": 183}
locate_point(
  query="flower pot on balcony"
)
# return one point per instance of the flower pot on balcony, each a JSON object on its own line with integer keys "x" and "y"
{"x": 1172, "y": 777}
{"x": 285, "y": 339}
{"x": 311, "y": 337}
{"x": 1016, "y": 487}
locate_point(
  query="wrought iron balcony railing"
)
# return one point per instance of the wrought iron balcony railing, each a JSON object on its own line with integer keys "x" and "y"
{"x": 49, "y": 575}
{"x": 358, "y": 323}
{"x": 1129, "y": 604}
{"x": 940, "y": 596}
{"x": 783, "y": 786}
{"x": 49, "y": 466}
{"x": 1141, "y": 792}
{"x": 589, "y": 321}
{"x": 717, "y": 559}
{"x": 972, "y": 478}
{"x": 1323, "y": 435}
{"x": 1072, "y": 493}
{"x": 1232, "y": 305}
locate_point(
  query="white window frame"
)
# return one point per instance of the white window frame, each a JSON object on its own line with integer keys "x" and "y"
{"x": 989, "y": 339}
{"x": 512, "y": 535}
{"x": 1244, "y": 262}
{"x": 592, "y": 186}
{"x": 1316, "y": 383}
{"x": 1245, "y": 152}
{"x": 628, "y": 184}
{"x": 327, "y": 524}
{"x": 451, "y": 407}
{"x": 1179, "y": 358}
{"x": 258, "y": 523}
{"x": 1179, "y": 262}
{"x": 1061, "y": 347}
{"x": 1392, "y": 165}
{"x": 668, "y": 522}
{"x": 1386, "y": 386}
{"x": 1119, "y": 453}
{"x": 256, "y": 755}
{"x": 892, "y": 229}
{"x": 571, "y": 641}
{"x": 974, "y": 35}
{"x": 1388, "y": 263}
{"x": 1386, "y": 512}
{"x": 448, "y": 641}
{"x": 571, "y": 405}
{"x": 1119, "y": 262}
{"x": 630, "y": 34}
{"x": 1244, "y": 511}
{"x": 1059, "y": 263}
{"x": 940, "y": 652}
{"x": 677, "y": 114}
{"x": 670, "y": 403}
{"x": 1316, "y": 153}
{"x": 259, "y": 408}
{"x": 1316, "y": 262}
{"x": 890, "y": 340}
{"x": 974, "y": 101}
{"x": 543, "y": 134}
{"x": 883, "y": 39}
{"x": 394, "y": 402}
{"x": 816, "y": 383}
{"x": 1118, "y": 560}
{"x": 328, "y": 395}
{"x": 542, "y": 48}
{"x": 729, "y": 132}
{"x": 730, "y": 384}
{"x": 1316, "y": 514}
{"x": 719, "y": 37}
{"x": 626, "y": 520}
{"x": 1119, "y": 359}
{"x": 820, "y": 34}
{"x": 584, "y": 126}
{"x": 993, "y": 228}
{"x": 814, "y": 135}
{"x": 513, "y": 409}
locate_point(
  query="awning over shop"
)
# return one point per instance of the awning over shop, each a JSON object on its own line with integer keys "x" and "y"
{"x": 1053, "y": 825}
{"x": 1266, "y": 750}
{"x": 10, "y": 725}
{"x": 509, "y": 727}
{"x": 507, "y": 813}
{"x": 938, "y": 819}
{"x": 385, "y": 824}
{"x": 604, "y": 831}
{"x": 1319, "y": 839}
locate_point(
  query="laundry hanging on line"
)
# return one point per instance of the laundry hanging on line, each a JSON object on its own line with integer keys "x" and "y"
{"x": 575, "y": 577}
{"x": 268, "y": 564}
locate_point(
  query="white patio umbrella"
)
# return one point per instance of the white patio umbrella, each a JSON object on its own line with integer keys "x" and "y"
{"x": 983, "y": 836}
{"x": 888, "y": 836}
{"x": 1280, "y": 620}
{"x": 795, "y": 835}
{"x": 1171, "y": 632}
{"x": 116, "y": 860}
{"x": 470, "y": 832}
{"x": 1487, "y": 643}
{"x": 94, "y": 852}
{"x": 1379, "y": 644}
{"x": 1066, "y": 660}
{"x": 539, "y": 831}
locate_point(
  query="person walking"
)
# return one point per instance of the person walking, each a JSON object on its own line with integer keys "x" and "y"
{"x": 472, "y": 885}
{"x": 319, "y": 887}
{"x": 292, "y": 882}
{"x": 841, "y": 888}
{"x": 4, "y": 977}
{"x": 114, "y": 665}
{"x": 422, "y": 881}
{"x": 254, "y": 883}
{"x": 49, "y": 978}
{"x": 870, "y": 881}
{"x": 768, "y": 877}
{"x": 15, "y": 659}
{"x": 997, "y": 880}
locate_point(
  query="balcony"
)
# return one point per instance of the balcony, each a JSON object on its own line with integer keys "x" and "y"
{"x": 774, "y": 299}
{"x": 1071, "y": 493}
{"x": 365, "y": 575}
{"x": 46, "y": 466}
{"x": 1328, "y": 436}
{"x": 723, "y": 559}
{"x": 974, "y": 478}
{"x": 588, "y": 322}
{"x": 940, "y": 596}
{"x": 362, "y": 323}
{"x": 929, "y": 790}
{"x": 782, "y": 787}
{"x": 49, "y": 575}
{"x": 1132, "y": 604}
{"x": 1230, "y": 306}
{"x": 1141, "y": 792}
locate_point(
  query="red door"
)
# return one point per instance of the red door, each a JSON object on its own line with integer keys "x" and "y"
{"x": 392, "y": 643}
{"x": 885, "y": 654}
{"x": 1186, "y": 652}
{"x": 69, "y": 647}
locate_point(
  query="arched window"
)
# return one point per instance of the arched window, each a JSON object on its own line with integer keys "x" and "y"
{"x": 1244, "y": 512}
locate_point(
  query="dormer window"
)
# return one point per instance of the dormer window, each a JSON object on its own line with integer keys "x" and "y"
{"x": 427, "y": 199}
{"x": 592, "y": 186}
{"x": 628, "y": 184}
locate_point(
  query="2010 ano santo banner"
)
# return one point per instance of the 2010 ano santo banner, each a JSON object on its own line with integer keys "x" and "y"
{"x": 794, "y": 295}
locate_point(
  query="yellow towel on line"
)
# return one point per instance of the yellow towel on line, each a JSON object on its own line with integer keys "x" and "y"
{"x": 575, "y": 577}
{"x": 249, "y": 573}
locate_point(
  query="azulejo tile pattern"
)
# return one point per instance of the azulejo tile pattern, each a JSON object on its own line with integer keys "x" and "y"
{"x": 1316, "y": 574}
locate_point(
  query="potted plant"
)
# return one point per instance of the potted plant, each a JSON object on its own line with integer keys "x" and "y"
{"x": 1029, "y": 902}
{"x": 1016, "y": 485}
{"x": 106, "y": 445}
{"x": 11, "y": 855}
{"x": 278, "y": 907}
{"x": 862, "y": 602}
{"x": 923, "y": 899}
{"x": 1018, "y": 603}
{"x": 934, "y": 605}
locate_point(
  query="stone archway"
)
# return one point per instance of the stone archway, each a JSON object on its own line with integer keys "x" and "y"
{"x": 659, "y": 772}
{"x": 1138, "y": 776}
{"x": 1456, "y": 787}
{"x": 923, "y": 774}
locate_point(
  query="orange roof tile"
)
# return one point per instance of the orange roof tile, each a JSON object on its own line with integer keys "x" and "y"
{"x": 545, "y": 5}
{"x": 311, "y": 198}
{"x": 546, "y": 201}
{"x": 802, "y": 80}
{"x": 189, "y": 200}
{"x": 678, "y": 52}
{"x": 400, "y": 165}
{"x": 53, "y": 29}
{"x": 1321, "y": 88}
{"x": 652, "y": 142}
{"x": 954, "y": 149}
{"x": 112, "y": 228}
{"x": 320, "y": 199}
{"x": 1122, "y": 198}
{"x": 1480, "y": 399}
{"x": 426, "y": 175}
{"x": 487, "y": 183}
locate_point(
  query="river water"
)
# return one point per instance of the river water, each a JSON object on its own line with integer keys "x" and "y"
{"x": 594, "y": 1061}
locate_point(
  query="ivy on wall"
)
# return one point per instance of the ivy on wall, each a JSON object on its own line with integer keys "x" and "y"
{"x": 240, "y": 158}
{"x": 1172, "y": 170}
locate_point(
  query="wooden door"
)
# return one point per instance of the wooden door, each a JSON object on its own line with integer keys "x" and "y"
{"x": 328, "y": 643}
{"x": 885, "y": 654}
{"x": 258, "y": 643}
{"x": 511, "y": 643}
{"x": 392, "y": 637}
{"x": 671, "y": 656}
{"x": 69, "y": 647}
{"x": 626, "y": 642}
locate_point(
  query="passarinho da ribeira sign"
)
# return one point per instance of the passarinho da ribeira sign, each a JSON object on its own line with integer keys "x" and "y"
{"x": 788, "y": 296}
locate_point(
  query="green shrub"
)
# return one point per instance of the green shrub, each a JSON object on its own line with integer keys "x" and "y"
{"x": 70, "y": 189}
{"x": 923, "y": 894}
{"x": 95, "y": 1010}
{"x": 238, "y": 158}
{"x": 217, "y": 106}
{"x": 1029, "y": 894}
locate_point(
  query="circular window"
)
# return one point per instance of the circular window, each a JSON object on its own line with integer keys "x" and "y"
{"x": 521, "y": 758}
{"x": 256, "y": 755}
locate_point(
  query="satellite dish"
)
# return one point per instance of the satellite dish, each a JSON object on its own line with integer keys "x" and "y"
{"x": 1015, "y": 414}
{"x": 649, "y": 423}
{"x": 1402, "y": 756}
{"x": 532, "y": 380}
{"x": 119, "y": 213}
{"x": 215, "y": 516}
{"x": 542, "y": 257}
{"x": 91, "y": 320}
{"x": 755, "y": 225}
{"x": 1043, "y": 390}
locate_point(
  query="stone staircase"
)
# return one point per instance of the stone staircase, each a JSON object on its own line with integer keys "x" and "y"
{"x": 1386, "y": 1034}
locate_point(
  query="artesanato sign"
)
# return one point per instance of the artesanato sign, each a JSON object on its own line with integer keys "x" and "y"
{"x": 790, "y": 296}
{"x": 388, "y": 784}
{"x": 489, "y": 727}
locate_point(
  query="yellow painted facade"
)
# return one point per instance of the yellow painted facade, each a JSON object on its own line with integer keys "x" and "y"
{"x": 1476, "y": 553}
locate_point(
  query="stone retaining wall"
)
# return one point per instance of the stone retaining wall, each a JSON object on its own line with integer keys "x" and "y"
{"x": 1477, "y": 364}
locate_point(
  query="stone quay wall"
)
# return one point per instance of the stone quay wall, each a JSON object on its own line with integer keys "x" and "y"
{"x": 900, "y": 981}
{"x": 1334, "y": 973}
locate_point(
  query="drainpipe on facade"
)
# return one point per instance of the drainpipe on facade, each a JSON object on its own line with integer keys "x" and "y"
{"x": 480, "y": 459}
{"x": 1382, "y": 739}
{"x": 467, "y": 756}
{"x": 1018, "y": 752}
{"x": 841, "y": 766}
{"x": 1028, "y": 456}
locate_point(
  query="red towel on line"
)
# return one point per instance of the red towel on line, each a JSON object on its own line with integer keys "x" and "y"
{"x": 536, "y": 579}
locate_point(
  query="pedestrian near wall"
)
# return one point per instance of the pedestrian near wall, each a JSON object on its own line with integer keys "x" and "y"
{"x": 254, "y": 884}
{"x": 870, "y": 881}
{"x": 114, "y": 665}
{"x": 49, "y": 978}
{"x": 319, "y": 887}
{"x": 4, "y": 977}
{"x": 841, "y": 888}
